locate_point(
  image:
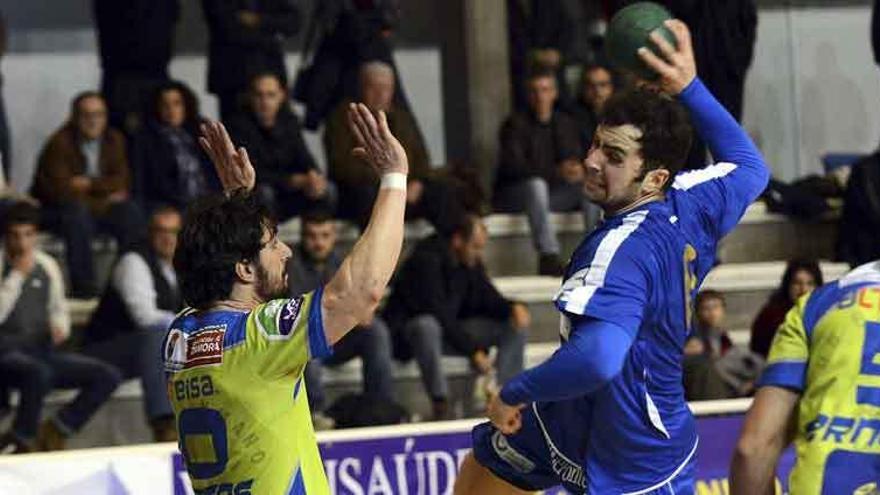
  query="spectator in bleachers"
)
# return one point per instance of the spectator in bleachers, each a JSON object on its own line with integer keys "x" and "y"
{"x": 714, "y": 368}
{"x": 169, "y": 166}
{"x": 288, "y": 177}
{"x": 135, "y": 40}
{"x": 800, "y": 278}
{"x": 540, "y": 168}
{"x": 357, "y": 183}
{"x": 245, "y": 40}
{"x": 342, "y": 36}
{"x": 710, "y": 309}
{"x": 34, "y": 321}
{"x": 723, "y": 35}
{"x": 597, "y": 85}
{"x": 858, "y": 230}
{"x": 442, "y": 297}
{"x": 141, "y": 300}
{"x": 540, "y": 33}
{"x": 314, "y": 262}
{"x": 82, "y": 180}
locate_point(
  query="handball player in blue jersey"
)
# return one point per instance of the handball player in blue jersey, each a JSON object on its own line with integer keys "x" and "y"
{"x": 606, "y": 413}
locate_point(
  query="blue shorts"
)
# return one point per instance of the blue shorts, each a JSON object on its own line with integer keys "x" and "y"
{"x": 541, "y": 454}
{"x": 546, "y": 452}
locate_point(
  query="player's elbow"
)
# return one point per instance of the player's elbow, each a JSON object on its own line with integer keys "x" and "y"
{"x": 607, "y": 369}
{"x": 752, "y": 445}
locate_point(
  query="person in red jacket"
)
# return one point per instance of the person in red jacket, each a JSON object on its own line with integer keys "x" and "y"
{"x": 800, "y": 277}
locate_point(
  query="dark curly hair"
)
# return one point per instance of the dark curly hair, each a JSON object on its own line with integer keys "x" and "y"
{"x": 217, "y": 233}
{"x": 665, "y": 126}
{"x": 190, "y": 103}
{"x": 791, "y": 269}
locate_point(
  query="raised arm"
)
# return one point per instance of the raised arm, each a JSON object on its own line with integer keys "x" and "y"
{"x": 354, "y": 292}
{"x": 740, "y": 174}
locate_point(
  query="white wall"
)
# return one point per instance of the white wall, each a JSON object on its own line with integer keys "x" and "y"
{"x": 813, "y": 87}
{"x": 38, "y": 88}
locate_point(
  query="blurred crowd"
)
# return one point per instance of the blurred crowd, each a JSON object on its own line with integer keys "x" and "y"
{"x": 127, "y": 162}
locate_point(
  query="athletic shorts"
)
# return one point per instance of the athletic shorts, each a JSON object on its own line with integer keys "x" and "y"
{"x": 546, "y": 452}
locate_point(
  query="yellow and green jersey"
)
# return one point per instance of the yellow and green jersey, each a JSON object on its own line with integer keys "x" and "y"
{"x": 828, "y": 350}
{"x": 235, "y": 381}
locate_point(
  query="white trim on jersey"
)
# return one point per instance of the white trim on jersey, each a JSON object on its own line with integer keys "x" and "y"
{"x": 869, "y": 272}
{"x": 694, "y": 178}
{"x": 577, "y": 291}
{"x": 668, "y": 481}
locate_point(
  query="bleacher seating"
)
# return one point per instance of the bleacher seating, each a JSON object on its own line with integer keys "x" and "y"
{"x": 753, "y": 265}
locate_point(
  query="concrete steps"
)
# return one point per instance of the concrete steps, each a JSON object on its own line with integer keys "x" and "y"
{"x": 760, "y": 236}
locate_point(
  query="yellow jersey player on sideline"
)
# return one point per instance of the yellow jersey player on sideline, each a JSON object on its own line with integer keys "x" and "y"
{"x": 235, "y": 360}
{"x": 821, "y": 388}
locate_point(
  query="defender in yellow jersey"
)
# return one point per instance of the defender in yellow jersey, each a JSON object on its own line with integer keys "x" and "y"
{"x": 821, "y": 389}
{"x": 235, "y": 361}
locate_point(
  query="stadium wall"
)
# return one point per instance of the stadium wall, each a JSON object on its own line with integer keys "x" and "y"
{"x": 813, "y": 87}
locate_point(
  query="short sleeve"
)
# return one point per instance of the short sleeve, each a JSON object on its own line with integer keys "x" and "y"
{"x": 789, "y": 353}
{"x": 287, "y": 333}
{"x": 716, "y": 192}
{"x": 612, "y": 287}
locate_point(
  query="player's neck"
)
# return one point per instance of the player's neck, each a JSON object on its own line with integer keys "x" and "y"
{"x": 240, "y": 299}
{"x": 641, "y": 201}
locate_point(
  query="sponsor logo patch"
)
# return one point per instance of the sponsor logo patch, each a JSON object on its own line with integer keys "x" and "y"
{"x": 289, "y": 314}
{"x": 510, "y": 455}
{"x": 205, "y": 348}
{"x": 174, "y": 352}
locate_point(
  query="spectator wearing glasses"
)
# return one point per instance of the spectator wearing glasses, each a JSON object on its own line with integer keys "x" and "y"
{"x": 82, "y": 181}
{"x": 597, "y": 85}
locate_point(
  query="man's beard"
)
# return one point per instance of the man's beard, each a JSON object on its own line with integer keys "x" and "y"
{"x": 265, "y": 290}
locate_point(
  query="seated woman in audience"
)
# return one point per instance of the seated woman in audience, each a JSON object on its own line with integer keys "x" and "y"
{"x": 169, "y": 166}
{"x": 800, "y": 277}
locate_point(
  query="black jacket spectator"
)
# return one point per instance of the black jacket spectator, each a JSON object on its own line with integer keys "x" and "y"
{"x": 431, "y": 282}
{"x": 277, "y": 152}
{"x": 243, "y": 45}
{"x": 723, "y": 36}
{"x": 135, "y": 41}
{"x": 135, "y": 36}
{"x": 347, "y": 34}
{"x": 531, "y": 149}
{"x": 169, "y": 166}
{"x": 157, "y": 175}
{"x": 536, "y": 25}
{"x": 859, "y": 227}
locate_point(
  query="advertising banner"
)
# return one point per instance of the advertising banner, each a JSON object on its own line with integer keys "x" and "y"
{"x": 417, "y": 459}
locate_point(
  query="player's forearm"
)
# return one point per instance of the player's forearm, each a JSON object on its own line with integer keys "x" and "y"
{"x": 592, "y": 357}
{"x": 726, "y": 138}
{"x": 359, "y": 285}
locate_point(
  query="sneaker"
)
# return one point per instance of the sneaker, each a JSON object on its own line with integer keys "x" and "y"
{"x": 549, "y": 265}
{"x": 322, "y": 422}
{"x": 10, "y": 445}
{"x": 50, "y": 437}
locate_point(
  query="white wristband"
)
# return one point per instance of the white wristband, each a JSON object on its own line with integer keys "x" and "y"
{"x": 393, "y": 180}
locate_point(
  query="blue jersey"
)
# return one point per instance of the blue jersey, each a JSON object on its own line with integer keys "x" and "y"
{"x": 639, "y": 270}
